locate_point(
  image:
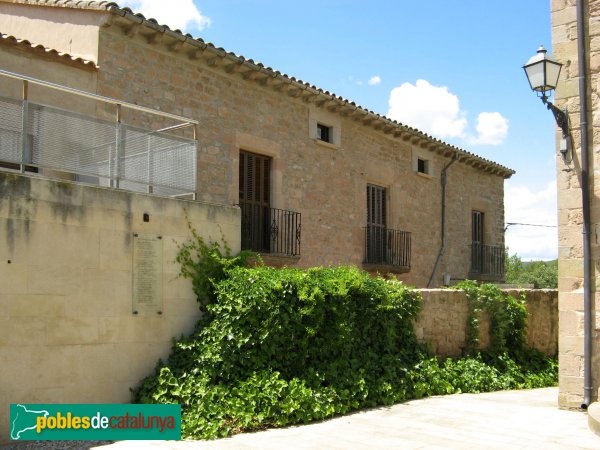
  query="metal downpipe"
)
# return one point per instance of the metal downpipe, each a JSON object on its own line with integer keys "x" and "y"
{"x": 585, "y": 198}
{"x": 443, "y": 230}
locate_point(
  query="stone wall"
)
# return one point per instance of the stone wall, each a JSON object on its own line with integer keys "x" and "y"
{"x": 570, "y": 217}
{"x": 326, "y": 183}
{"x": 443, "y": 318}
{"x": 68, "y": 332}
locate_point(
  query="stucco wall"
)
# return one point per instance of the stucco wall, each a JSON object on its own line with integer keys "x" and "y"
{"x": 570, "y": 217}
{"x": 326, "y": 184}
{"x": 67, "y": 330}
{"x": 444, "y": 314}
{"x": 55, "y": 28}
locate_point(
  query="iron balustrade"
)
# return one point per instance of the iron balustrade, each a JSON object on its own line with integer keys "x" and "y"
{"x": 96, "y": 147}
{"x": 270, "y": 230}
{"x": 384, "y": 246}
{"x": 487, "y": 261}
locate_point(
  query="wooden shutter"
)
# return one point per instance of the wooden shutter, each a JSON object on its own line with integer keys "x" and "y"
{"x": 477, "y": 248}
{"x": 477, "y": 227}
{"x": 376, "y": 206}
{"x": 255, "y": 179}
{"x": 255, "y": 199}
{"x": 376, "y": 233}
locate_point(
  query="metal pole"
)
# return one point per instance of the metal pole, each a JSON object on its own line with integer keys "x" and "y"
{"x": 443, "y": 180}
{"x": 95, "y": 96}
{"x": 117, "y": 166}
{"x": 585, "y": 198}
{"x": 25, "y": 153}
{"x": 150, "y": 162}
{"x": 196, "y": 137}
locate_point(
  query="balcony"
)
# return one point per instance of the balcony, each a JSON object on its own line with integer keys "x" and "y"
{"x": 387, "y": 249}
{"x": 270, "y": 230}
{"x": 65, "y": 133}
{"x": 487, "y": 262}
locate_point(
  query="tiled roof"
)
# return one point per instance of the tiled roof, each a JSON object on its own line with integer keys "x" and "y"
{"x": 12, "y": 40}
{"x": 102, "y": 5}
{"x": 378, "y": 121}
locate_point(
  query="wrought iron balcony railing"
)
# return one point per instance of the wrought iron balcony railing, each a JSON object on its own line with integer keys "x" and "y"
{"x": 384, "y": 246}
{"x": 85, "y": 137}
{"x": 270, "y": 230}
{"x": 487, "y": 261}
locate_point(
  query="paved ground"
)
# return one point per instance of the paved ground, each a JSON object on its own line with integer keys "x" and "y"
{"x": 497, "y": 420}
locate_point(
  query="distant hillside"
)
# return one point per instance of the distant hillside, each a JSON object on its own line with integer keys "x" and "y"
{"x": 542, "y": 274}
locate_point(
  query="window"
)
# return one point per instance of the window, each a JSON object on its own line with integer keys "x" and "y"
{"x": 477, "y": 227}
{"x": 477, "y": 257}
{"x": 422, "y": 163}
{"x": 255, "y": 201}
{"x": 376, "y": 243}
{"x": 324, "y": 127}
{"x": 376, "y": 207}
{"x": 324, "y": 133}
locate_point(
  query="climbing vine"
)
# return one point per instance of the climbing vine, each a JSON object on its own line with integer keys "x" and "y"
{"x": 508, "y": 317}
{"x": 206, "y": 264}
{"x": 284, "y": 346}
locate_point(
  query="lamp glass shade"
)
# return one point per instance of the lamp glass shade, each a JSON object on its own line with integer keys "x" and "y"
{"x": 542, "y": 72}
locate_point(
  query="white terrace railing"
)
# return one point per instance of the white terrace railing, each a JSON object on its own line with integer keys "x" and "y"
{"x": 94, "y": 143}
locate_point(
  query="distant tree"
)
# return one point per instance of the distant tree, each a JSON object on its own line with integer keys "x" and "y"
{"x": 542, "y": 274}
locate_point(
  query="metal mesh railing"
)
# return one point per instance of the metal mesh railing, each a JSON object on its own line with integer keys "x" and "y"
{"x": 161, "y": 161}
{"x": 70, "y": 142}
{"x": 96, "y": 150}
{"x": 11, "y": 126}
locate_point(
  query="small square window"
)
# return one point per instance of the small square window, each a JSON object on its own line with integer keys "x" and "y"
{"x": 324, "y": 133}
{"x": 422, "y": 166}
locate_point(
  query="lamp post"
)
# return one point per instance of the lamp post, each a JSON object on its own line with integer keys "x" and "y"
{"x": 542, "y": 73}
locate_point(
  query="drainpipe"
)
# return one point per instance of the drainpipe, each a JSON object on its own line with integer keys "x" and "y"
{"x": 443, "y": 231}
{"x": 585, "y": 197}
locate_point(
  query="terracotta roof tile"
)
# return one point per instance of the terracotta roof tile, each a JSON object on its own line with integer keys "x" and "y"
{"x": 40, "y": 49}
{"x": 102, "y": 5}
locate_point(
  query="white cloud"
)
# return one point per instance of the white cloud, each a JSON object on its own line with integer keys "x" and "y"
{"x": 176, "y": 14}
{"x": 492, "y": 129}
{"x": 374, "y": 80}
{"x": 436, "y": 110}
{"x": 433, "y": 109}
{"x": 524, "y": 204}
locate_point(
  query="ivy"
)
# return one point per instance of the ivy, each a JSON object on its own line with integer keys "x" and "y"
{"x": 508, "y": 317}
{"x": 285, "y": 346}
{"x": 206, "y": 264}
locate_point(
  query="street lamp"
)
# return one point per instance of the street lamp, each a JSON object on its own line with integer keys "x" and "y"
{"x": 542, "y": 73}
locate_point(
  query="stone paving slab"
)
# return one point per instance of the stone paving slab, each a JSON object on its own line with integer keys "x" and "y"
{"x": 528, "y": 419}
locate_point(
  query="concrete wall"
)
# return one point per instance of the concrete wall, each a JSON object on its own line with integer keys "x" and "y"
{"x": 570, "y": 217}
{"x": 67, "y": 329}
{"x": 444, "y": 313}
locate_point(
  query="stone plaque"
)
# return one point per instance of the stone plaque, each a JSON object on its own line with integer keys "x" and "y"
{"x": 147, "y": 274}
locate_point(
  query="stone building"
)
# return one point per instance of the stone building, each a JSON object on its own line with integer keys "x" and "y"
{"x": 319, "y": 180}
{"x": 570, "y": 206}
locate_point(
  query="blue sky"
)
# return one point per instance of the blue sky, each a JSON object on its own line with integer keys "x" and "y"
{"x": 468, "y": 55}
